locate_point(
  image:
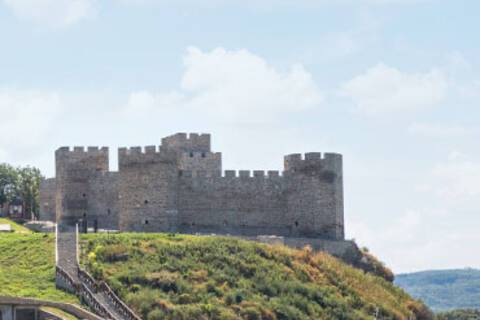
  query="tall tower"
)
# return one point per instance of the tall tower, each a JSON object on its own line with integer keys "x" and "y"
{"x": 315, "y": 196}
{"x": 193, "y": 152}
{"x": 148, "y": 190}
{"x": 74, "y": 169}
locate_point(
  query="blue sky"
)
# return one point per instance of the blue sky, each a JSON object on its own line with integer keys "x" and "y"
{"x": 394, "y": 85}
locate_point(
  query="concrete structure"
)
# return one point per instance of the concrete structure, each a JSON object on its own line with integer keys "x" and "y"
{"x": 180, "y": 187}
{"x": 12, "y": 308}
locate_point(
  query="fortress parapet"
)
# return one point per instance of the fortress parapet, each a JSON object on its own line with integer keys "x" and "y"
{"x": 143, "y": 156}
{"x": 188, "y": 142}
{"x": 313, "y": 161}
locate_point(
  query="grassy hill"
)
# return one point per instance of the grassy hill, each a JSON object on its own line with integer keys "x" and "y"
{"x": 27, "y": 265}
{"x": 193, "y": 277}
{"x": 445, "y": 289}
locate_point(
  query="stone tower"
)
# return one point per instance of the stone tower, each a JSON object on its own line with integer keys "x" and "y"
{"x": 315, "y": 196}
{"x": 74, "y": 172}
{"x": 147, "y": 193}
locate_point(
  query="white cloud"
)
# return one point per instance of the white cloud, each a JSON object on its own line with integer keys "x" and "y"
{"x": 420, "y": 239}
{"x": 27, "y": 119}
{"x": 435, "y": 130}
{"x": 383, "y": 89}
{"x": 232, "y": 86}
{"x": 457, "y": 179}
{"x": 52, "y": 12}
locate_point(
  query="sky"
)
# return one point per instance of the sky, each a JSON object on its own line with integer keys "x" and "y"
{"x": 393, "y": 85}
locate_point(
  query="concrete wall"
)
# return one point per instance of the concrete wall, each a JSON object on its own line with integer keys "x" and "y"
{"x": 6, "y": 312}
{"x": 10, "y": 303}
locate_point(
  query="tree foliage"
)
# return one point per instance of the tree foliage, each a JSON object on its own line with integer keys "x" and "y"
{"x": 22, "y": 183}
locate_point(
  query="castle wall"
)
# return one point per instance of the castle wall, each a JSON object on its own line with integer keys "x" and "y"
{"x": 200, "y": 161}
{"x": 179, "y": 187}
{"x": 103, "y": 199}
{"x": 48, "y": 189}
{"x": 239, "y": 205}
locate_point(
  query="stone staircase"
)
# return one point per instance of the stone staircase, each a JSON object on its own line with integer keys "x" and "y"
{"x": 70, "y": 277}
{"x": 67, "y": 250}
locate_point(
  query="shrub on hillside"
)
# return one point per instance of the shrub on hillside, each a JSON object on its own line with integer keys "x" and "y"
{"x": 370, "y": 263}
{"x": 188, "y": 277}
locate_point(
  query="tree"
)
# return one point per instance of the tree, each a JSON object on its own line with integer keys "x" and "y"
{"x": 8, "y": 183}
{"x": 22, "y": 183}
{"x": 28, "y": 188}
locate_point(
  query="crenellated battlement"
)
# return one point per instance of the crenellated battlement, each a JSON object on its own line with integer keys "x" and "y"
{"x": 240, "y": 175}
{"x": 82, "y": 150}
{"x": 188, "y": 142}
{"x": 81, "y": 159}
{"x": 143, "y": 155}
{"x": 313, "y": 160}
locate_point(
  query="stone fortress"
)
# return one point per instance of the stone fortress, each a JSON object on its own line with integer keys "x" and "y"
{"x": 179, "y": 187}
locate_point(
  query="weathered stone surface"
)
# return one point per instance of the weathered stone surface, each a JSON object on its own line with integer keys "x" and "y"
{"x": 179, "y": 187}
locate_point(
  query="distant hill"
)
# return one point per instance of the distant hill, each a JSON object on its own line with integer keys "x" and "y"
{"x": 444, "y": 289}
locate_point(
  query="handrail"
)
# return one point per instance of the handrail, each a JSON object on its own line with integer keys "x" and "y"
{"x": 86, "y": 294}
{"x": 66, "y": 277}
{"x": 86, "y": 278}
{"x": 56, "y": 243}
{"x": 88, "y": 287}
{"x": 125, "y": 310}
{"x": 76, "y": 243}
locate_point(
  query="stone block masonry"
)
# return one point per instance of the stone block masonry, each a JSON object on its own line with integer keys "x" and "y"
{"x": 179, "y": 186}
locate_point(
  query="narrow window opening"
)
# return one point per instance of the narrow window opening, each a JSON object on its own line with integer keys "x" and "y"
{"x": 146, "y": 201}
{"x": 109, "y": 211}
{"x": 84, "y": 195}
{"x": 191, "y": 154}
{"x": 203, "y": 155}
{"x": 146, "y": 221}
{"x": 296, "y": 223}
{"x": 180, "y": 173}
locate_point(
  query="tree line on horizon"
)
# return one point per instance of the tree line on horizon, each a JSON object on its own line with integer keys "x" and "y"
{"x": 21, "y": 183}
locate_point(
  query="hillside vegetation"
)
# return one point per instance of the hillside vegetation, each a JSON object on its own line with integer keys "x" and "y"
{"x": 27, "y": 265}
{"x": 444, "y": 289}
{"x": 193, "y": 277}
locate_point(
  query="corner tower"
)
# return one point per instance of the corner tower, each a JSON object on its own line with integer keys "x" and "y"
{"x": 315, "y": 196}
{"x": 74, "y": 170}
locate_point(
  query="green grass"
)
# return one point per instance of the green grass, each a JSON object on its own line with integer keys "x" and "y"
{"x": 27, "y": 267}
{"x": 193, "y": 277}
{"x": 15, "y": 226}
